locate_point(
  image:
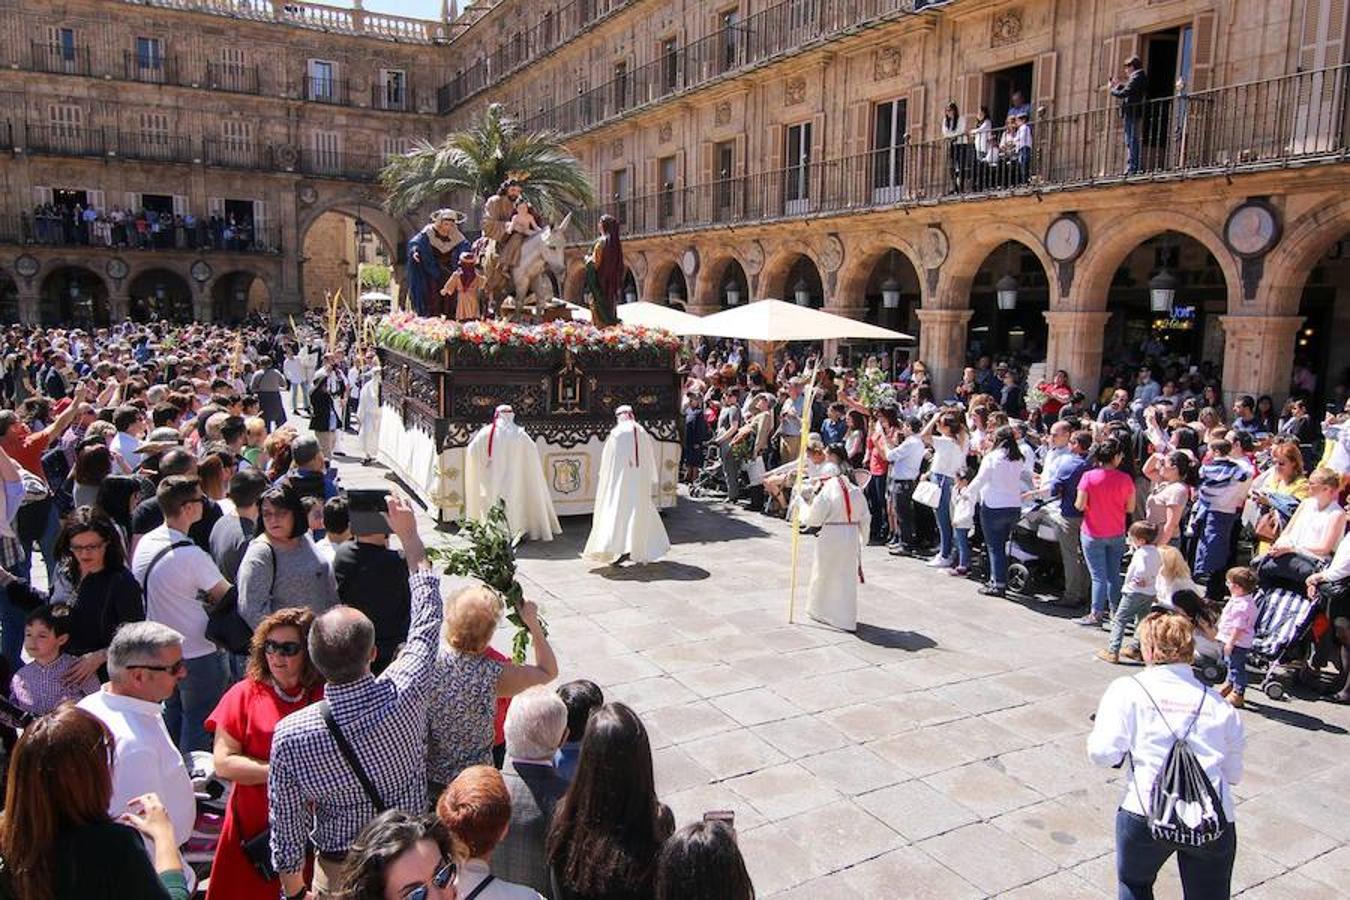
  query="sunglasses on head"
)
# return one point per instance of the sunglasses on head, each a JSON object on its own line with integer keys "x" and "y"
{"x": 444, "y": 875}
{"x": 282, "y": 648}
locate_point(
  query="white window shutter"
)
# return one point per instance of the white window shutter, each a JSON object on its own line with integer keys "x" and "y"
{"x": 133, "y": 201}
{"x": 215, "y": 206}
{"x": 96, "y": 199}
{"x": 180, "y": 205}
{"x": 42, "y": 196}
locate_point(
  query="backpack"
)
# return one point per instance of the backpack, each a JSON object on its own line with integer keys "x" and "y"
{"x": 1184, "y": 808}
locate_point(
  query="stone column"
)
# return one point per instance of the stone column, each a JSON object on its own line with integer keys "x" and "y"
{"x": 29, "y": 301}
{"x": 119, "y": 305}
{"x": 1074, "y": 344}
{"x": 1258, "y": 355}
{"x": 942, "y": 346}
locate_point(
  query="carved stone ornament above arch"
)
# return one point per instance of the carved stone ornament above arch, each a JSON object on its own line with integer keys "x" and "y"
{"x": 1005, "y": 27}
{"x": 830, "y": 253}
{"x": 794, "y": 90}
{"x": 886, "y": 63}
{"x": 752, "y": 257}
{"x": 722, "y": 113}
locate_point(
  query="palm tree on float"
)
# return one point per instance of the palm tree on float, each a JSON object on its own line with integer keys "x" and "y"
{"x": 480, "y": 158}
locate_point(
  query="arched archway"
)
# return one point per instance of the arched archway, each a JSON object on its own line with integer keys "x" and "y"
{"x": 74, "y": 296}
{"x": 1179, "y": 343}
{"x": 630, "y": 293}
{"x": 1009, "y": 296}
{"x": 657, "y": 280}
{"x": 676, "y": 293}
{"x": 891, "y": 292}
{"x": 717, "y": 275}
{"x": 802, "y": 283}
{"x": 9, "y": 300}
{"x": 160, "y": 294}
{"x": 237, "y": 295}
{"x": 733, "y": 287}
{"x": 337, "y": 239}
{"x": 778, "y": 277}
{"x": 1321, "y": 355}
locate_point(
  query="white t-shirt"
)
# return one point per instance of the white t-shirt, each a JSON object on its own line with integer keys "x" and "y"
{"x": 949, "y": 455}
{"x": 179, "y": 578}
{"x": 1310, "y": 526}
{"x": 126, "y": 445}
{"x": 907, "y": 459}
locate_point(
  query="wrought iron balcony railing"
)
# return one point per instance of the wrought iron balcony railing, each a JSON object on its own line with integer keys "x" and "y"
{"x": 326, "y": 90}
{"x": 61, "y": 59}
{"x": 196, "y": 234}
{"x": 1292, "y": 120}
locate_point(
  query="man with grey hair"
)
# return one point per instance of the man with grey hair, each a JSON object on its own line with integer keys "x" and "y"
{"x": 536, "y": 726}
{"x": 310, "y": 477}
{"x": 337, "y": 763}
{"x": 145, "y": 665}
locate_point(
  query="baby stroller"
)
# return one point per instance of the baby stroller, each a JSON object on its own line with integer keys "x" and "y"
{"x": 1282, "y": 642}
{"x": 1034, "y": 561}
{"x": 709, "y": 482}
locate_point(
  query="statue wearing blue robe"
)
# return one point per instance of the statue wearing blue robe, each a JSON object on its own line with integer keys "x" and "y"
{"x": 433, "y": 253}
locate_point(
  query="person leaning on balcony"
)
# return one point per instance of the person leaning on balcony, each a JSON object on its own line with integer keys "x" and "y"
{"x": 1132, "y": 92}
{"x": 958, "y": 148}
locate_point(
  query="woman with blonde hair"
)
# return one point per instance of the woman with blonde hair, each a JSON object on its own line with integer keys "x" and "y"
{"x": 467, "y": 680}
{"x": 1141, "y": 718}
{"x": 1284, "y": 478}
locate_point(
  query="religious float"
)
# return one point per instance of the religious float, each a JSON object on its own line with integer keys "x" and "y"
{"x": 443, "y": 379}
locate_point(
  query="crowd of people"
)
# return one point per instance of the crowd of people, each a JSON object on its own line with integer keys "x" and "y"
{"x": 73, "y": 224}
{"x": 188, "y": 598}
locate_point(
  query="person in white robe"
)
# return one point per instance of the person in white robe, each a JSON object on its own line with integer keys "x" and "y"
{"x": 368, "y": 413}
{"x": 626, "y": 522}
{"x": 838, "y": 507}
{"x": 502, "y": 463}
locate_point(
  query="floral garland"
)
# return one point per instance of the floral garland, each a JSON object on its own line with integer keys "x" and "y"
{"x": 427, "y": 337}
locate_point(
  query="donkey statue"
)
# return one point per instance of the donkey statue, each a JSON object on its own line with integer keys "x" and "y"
{"x": 539, "y": 253}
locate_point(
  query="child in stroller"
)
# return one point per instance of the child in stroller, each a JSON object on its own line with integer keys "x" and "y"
{"x": 1034, "y": 550}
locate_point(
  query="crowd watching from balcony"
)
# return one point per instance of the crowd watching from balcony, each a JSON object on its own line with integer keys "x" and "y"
{"x": 143, "y": 229}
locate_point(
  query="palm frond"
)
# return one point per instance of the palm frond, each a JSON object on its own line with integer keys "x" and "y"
{"x": 479, "y": 159}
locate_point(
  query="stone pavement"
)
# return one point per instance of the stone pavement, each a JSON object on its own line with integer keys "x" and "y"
{"x": 937, "y": 753}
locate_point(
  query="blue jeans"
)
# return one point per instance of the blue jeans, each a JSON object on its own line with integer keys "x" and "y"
{"x": 193, "y": 700}
{"x": 1103, "y": 557}
{"x": 961, "y": 536}
{"x": 1214, "y": 536}
{"x": 1132, "y": 143}
{"x": 1237, "y": 669}
{"x": 1206, "y": 872}
{"x": 944, "y": 518}
{"x": 1133, "y": 607}
{"x": 998, "y": 522}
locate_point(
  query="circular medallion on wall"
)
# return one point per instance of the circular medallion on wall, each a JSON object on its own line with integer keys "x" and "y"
{"x": 689, "y": 262}
{"x": 308, "y": 194}
{"x": 200, "y": 271}
{"x": 752, "y": 258}
{"x": 1066, "y": 238}
{"x": 27, "y": 266}
{"x": 831, "y": 253}
{"x": 934, "y": 247}
{"x": 1253, "y": 229}
{"x": 117, "y": 268}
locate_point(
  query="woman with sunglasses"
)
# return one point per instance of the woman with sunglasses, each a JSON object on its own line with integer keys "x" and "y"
{"x": 281, "y": 567}
{"x": 1284, "y": 478}
{"x": 400, "y": 856}
{"x": 92, "y": 578}
{"x": 278, "y": 681}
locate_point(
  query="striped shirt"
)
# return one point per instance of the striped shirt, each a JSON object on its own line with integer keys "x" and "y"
{"x": 384, "y": 720}
{"x": 40, "y": 689}
{"x": 1223, "y": 485}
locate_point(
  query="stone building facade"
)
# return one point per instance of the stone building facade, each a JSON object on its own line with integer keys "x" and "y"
{"x": 275, "y": 116}
{"x": 795, "y": 148}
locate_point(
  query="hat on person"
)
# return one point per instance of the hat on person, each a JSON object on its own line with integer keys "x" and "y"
{"x": 448, "y": 215}
{"x": 468, "y": 256}
{"x": 157, "y": 437}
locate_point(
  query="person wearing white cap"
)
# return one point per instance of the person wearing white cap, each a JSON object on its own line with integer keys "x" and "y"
{"x": 625, "y": 522}
{"x": 502, "y": 463}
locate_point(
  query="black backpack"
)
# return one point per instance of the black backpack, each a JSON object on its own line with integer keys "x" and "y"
{"x": 1184, "y": 808}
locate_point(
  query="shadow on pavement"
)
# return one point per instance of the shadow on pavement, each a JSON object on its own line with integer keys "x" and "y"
{"x": 665, "y": 570}
{"x": 893, "y": 638}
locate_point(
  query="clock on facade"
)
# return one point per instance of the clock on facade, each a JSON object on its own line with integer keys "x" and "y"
{"x": 27, "y": 266}
{"x": 1253, "y": 229}
{"x": 201, "y": 270}
{"x": 117, "y": 269}
{"x": 1066, "y": 238}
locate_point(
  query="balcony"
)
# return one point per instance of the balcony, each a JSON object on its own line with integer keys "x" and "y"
{"x": 149, "y": 68}
{"x": 232, "y": 78}
{"x": 393, "y": 98}
{"x": 66, "y": 140}
{"x": 341, "y": 164}
{"x": 61, "y": 59}
{"x": 103, "y": 234}
{"x": 523, "y": 48}
{"x": 1278, "y": 123}
{"x": 784, "y": 28}
{"x": 327, "y": 90}
{"x": 318, "y": 16}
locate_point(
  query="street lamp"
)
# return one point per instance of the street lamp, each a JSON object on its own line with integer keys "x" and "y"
{"x": 1162, "y": 291}
{"x": 1006, "y": 288}
{"x": 801, "y": 292}
{"x": 630, "y": 295}
{"x": 733, "y": 294}
{"x": 674, "y": 296}
{"x": 890, "y": 293}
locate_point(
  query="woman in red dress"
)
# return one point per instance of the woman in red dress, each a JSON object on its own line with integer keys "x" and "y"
{"x": 279, "y": 680}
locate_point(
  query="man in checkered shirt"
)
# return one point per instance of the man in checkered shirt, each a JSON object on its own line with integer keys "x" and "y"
{"x": 384, "y": 720}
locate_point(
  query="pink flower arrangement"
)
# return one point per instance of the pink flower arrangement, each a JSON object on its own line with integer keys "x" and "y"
{"x": 427, "y": 337}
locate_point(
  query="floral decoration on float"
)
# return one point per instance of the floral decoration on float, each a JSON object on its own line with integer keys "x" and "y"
{"x": 429, "y": 338}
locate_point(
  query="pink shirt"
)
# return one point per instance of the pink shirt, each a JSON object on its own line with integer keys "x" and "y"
{"x": 1108, "y": 490}
{"x": 1238, "y": 622}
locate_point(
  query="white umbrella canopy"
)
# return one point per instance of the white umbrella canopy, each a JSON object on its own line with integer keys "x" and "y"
{"x": 774, "y": 320}
{"x": 650, "y": 315}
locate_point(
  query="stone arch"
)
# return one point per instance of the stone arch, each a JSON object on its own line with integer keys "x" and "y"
{"x": 226, "y": 288}
{"x": 164, "y": 290}
{"x": 653, "y": 287}
{"x": 394, "y": 232}
{"x": 63, "y": 291}
{"x": 863, "y": 257}
{"x": 708, "y": 282}
{"x": 968, "y": 255}
{"x": 1108, "y": 248}
{"x": 772, "y": 279}
{"x": 179, "y": 267}
{"x": 1305, "y": 241}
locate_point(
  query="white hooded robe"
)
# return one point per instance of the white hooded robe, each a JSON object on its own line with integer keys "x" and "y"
{"x": 625, "y": 518}
{"x": 502, "y": 462}
{"x": 368, "y": 412}
{"x": 840, "y": 510}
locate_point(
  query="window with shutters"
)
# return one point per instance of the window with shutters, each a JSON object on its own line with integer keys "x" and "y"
{"x": 325, "y": 151}
{"x": 65, "y": 121}
{"x": 393, "y": 92}
{"x": 724, "y": 156}
{"x": 620, "y": 84}
{"x": 154, "y": 130}
{"x": 670, "y": 66}
{"x": 546, "y": 29}
{"x": 797, "y": 159}
{"x": 321, "y": 81}
{"x": 666, "y": 175}
{"x": 396, "y": 146}
{"x": 150, "y": 53}
{"x": 236, "y": 142}
{"x": 61, "y": 55}
{"x": 889, "y": 123}
{"x": 622, "y": 191}
{"x": 732, "y": 32}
